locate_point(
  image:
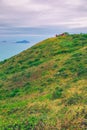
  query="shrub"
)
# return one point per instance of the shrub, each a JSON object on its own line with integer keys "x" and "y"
{"x": 1, "y": 84}
{"x": 75, "y": 99}
{"x": 36, "y": 62}
{"x": 49, "y": 80}
{"x": 30, "y": 123}
{"x": 27, "y": 86}
{"x": 28, "y": 75}
{"x": 57, "y": 93}
{"x": 14, "y": 93}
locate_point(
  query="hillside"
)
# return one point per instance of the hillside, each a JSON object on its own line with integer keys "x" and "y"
{"x": 45, "y": 87}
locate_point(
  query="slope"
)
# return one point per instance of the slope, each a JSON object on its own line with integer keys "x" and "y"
{"x": 45, "y": 87}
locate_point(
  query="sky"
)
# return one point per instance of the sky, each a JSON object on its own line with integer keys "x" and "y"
{"x": 42, "y": 17}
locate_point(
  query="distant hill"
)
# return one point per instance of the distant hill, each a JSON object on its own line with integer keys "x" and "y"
{"x": 23, "y": 41}
{"x": 4, "y": 41}
{"x": 45, "y": 87}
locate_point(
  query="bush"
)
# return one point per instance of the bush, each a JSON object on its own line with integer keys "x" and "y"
{"x": 75, "y": 99}
{"x": 57, "y": 93}
{"x": 1, "y": 84}
{"x": 27, "y": 124}
{"x": 36, "y": 62}
{"x": 14, "y": 93}
{"x": 49, "y": 80}
{"x": 30, "y": 123}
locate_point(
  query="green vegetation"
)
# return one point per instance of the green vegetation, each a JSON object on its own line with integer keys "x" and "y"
{"x": 45, "y": 87}
{"x": 57, "y": 93}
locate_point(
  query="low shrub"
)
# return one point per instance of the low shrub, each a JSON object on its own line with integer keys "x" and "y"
{"x": 57, "y": 93}
{"x": 75, "y": 99}
{"x": 14, "y": 92}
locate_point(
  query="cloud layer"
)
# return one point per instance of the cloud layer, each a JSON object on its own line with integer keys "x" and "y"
{"x": 22, "y": 14}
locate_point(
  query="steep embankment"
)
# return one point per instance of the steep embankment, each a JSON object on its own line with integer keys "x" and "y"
{"x": 45, "y": 87}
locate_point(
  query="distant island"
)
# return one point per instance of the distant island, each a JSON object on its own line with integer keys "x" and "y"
{"x": 23, "y": 41}
{"x": 4, "y": 41}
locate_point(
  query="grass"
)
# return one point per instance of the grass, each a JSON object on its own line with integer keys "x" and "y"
{"x": 44, "y": 87}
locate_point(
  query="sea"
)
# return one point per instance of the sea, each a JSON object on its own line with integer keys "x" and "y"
{"x": 9, "y": 46}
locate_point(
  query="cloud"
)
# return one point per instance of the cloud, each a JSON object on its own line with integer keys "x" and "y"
{"x": 60, "y": 14}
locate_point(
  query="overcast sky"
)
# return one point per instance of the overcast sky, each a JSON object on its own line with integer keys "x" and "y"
{"x": 39, "y": 17}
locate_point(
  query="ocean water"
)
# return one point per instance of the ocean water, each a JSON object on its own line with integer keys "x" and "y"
{"x": 9, "y": 47}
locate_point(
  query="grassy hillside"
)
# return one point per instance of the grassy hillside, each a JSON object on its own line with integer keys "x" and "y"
{"x": 45, "y": 87}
